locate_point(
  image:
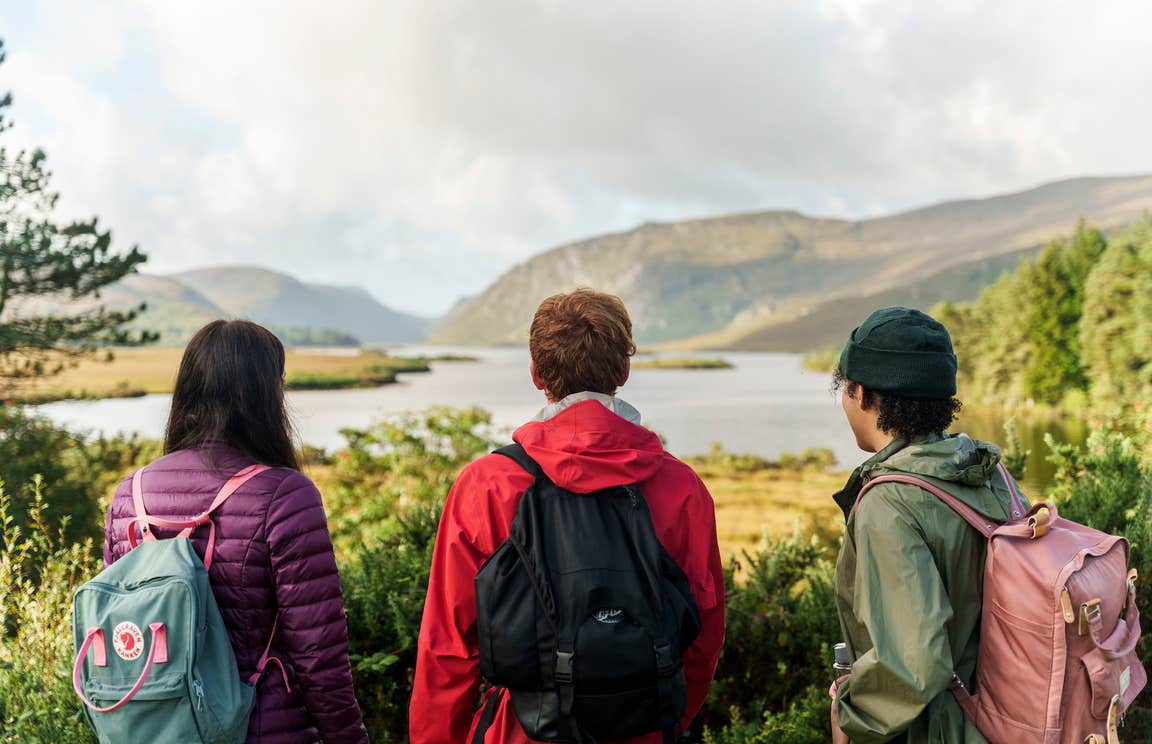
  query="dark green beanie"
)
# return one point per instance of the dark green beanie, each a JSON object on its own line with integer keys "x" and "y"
{"x": 901, "y": 351}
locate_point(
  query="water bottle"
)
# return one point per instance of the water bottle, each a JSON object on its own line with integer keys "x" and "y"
{"x": 843, "y": 662}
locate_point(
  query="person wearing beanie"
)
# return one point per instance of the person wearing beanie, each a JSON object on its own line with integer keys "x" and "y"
{"x": 909, "y": 574}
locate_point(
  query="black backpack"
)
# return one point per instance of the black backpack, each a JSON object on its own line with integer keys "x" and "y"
{"x": 583, "y": 616}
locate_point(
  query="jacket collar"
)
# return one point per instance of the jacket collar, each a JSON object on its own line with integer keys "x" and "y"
{"x": 618, "y": 406}
{"x": 845, "y": 498}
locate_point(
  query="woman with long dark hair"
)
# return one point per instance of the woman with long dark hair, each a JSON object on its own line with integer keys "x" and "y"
{"x": 272, "y": 568}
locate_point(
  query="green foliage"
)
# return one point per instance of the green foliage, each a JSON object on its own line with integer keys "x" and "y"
{"x": 327, "y": 381}
{"x": 782, "y": 623}
{"x": 1073, "y": 324}
{"x": 1055, "y": 302}
{"x": 82, "y": 471}
{"x": 407, "y": 459}
{"x": 41, "y": 258}
{"x": 384, "y": 587}
{"x": 812, "y": 458}
{"x": 1014, "y": 456}
{"x": 822, "y": 360}
{"x": 806, "y": 721}
{"x": 1101, "y": 484}
{"x": 1107, "y": 485}
{"x": 991, "y": 342}
{"x": 39, "y": 568}
{"x": 682, "y": 363}
{"x": 1117, "y": 325}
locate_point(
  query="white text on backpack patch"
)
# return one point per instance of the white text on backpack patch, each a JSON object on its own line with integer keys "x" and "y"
{"x": 128, "y": 641}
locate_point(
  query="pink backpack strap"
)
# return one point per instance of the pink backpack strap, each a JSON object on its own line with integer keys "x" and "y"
{"x": 265, "y": 660}
{"x": 982, "y": 524}
{"x": 186, "y": 526}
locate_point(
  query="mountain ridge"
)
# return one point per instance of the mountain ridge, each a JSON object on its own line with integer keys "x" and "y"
{"x": 179, "y": 303}
{"x": 732, "y": 274}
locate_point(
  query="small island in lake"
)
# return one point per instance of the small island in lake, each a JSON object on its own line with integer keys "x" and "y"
{"x": 683, "y": 363}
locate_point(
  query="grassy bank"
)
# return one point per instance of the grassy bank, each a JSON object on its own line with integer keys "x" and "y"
{"x": 142, "y": 371}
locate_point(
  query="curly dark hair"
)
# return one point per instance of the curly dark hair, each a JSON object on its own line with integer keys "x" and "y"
{"x": 907, "y": 418}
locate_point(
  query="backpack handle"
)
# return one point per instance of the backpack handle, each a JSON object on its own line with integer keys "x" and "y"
{"x": 157, "y": 653}
{"x": 186, "y": 526}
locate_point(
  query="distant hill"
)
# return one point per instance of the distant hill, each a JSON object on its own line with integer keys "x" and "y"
{"x": 179, "y": 304}
{"x": 782, "y": 280}
{"x": 277, "y": 299}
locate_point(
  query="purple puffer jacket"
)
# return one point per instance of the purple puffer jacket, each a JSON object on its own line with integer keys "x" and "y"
{"x": 273, "y": 554}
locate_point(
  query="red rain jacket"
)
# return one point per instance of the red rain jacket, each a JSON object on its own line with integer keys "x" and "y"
{"x": 584, "y": 448}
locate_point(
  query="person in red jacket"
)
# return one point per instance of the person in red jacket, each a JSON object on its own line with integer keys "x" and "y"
{"x": 585, "y": 440}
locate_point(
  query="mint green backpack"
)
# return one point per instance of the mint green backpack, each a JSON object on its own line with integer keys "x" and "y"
{"x": 170, "y": 674}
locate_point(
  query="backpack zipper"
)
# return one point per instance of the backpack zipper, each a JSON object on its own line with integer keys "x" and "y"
{"x": 199, "y": 689}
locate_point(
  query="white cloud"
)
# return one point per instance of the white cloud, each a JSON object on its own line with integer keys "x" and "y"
{"x": 420, "y": 148}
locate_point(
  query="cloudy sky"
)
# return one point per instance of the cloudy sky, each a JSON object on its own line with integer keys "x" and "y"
{"x": 421, "y": 147}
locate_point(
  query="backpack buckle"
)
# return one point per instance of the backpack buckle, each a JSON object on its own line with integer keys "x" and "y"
{"x": 564, "y": 667}
{"x": 665, "y": 664}
{"x": 1089, "y": 611}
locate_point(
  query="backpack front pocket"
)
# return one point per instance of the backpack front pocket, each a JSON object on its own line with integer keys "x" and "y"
{"x": 162, "y": 710}
{"x": 510, "y": 622}
{"x": 1111, "y": 677}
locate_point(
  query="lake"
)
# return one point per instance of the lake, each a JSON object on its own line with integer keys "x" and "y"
{"x": 766, "y": 405}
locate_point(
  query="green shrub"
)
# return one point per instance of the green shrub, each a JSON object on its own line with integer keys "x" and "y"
{"x": 718, "y": 458}
{"x": 1100, "y": 484}
{"x": 1107, "y": 485}
{"x": 384, "y": 587}
{"x": 782, "y": 623}
{"x": 38, "y": 572}
{"x": 81, "y": 471}
{"x": 812, "y": 458}
{"x": 806, "y": 721}
{"x": 407, "y": 459}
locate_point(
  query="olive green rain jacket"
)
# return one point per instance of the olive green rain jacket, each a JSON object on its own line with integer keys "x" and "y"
{"x": 908, "y": 585}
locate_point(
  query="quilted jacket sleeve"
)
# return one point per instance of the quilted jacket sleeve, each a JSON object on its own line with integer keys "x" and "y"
{"x": 313, "y": 627}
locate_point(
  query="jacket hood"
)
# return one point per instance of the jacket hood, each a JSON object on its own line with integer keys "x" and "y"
{"x": 957, "y": 459}
{"x": 586, "y": 447}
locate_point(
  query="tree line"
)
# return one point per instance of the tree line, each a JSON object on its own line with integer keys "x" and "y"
{"x": 1071, "y": 328}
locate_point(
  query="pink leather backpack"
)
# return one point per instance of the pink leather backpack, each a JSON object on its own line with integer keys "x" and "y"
{"x": 1058, "y": 631}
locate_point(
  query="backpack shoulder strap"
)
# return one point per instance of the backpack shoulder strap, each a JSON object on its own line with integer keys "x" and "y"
{"x": 519, "y": 455}
{"x": 186, "y": 526}
{"x": 980, "y": 523}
